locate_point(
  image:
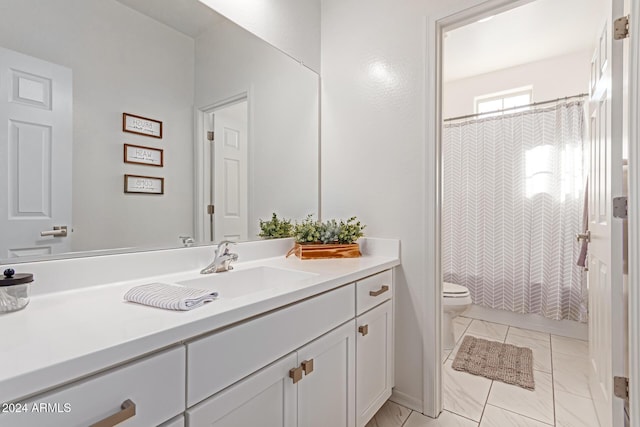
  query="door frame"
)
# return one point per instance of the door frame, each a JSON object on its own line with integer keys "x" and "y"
{"x": 448, "y": 19}
{"x": 634, "y": 218}
{"x": 202, "y": 164}
{"x": 451, "y": 18}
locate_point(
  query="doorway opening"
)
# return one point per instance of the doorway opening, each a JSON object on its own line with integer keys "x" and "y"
{"x": 223, "y": 157}
{"x": 492, "y": 172}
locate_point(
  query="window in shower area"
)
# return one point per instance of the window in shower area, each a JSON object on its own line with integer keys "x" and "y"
{"x": 493, "y": 104}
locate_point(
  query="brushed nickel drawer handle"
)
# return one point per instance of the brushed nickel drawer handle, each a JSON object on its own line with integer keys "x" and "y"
{"x": 364, "y": 329}
{"x": 380, "y": 291}
{"x": 127, "y": 410}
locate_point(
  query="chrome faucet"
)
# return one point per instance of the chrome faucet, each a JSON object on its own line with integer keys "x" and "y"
{"x": 222, "y": 260}
{"x": 187, "y": 241}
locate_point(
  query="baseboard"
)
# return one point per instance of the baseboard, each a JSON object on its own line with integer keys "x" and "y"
{"x": 565, "y": 328}
{"x": 405, "y": 400}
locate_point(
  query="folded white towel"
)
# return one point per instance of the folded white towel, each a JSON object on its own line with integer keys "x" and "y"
{"x": 170, "y": 297}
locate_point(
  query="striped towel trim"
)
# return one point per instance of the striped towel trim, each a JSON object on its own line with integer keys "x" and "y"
{"x": 169, "y": 296}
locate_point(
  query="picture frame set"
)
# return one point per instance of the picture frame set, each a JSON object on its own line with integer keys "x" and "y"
{"x": 143, "y": 155}
{"x": 143, "y": 184}
{"x": 141, "y": 125}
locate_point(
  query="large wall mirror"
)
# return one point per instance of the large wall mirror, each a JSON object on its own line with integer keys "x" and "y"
{"x": 70, "y": 69}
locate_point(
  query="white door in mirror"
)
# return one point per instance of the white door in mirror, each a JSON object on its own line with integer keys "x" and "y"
{"x": 35, "y": 151}
{"x": 230, "y": 194}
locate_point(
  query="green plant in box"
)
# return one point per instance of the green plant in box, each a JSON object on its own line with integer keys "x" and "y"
{"x": 276, "y": 228}
{"x": 330, "y": 232}
{"x": 350, "y": 231}
{"x": 307, "y": 231}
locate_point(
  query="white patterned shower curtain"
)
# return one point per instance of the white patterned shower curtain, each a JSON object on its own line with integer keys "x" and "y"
{"x": 512, "y": 204}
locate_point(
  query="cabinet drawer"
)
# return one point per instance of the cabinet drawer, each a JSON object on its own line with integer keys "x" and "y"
{"x": 155, "y": 386}
{"x": 221, "y": 359}
{"x": 373, "y": 290}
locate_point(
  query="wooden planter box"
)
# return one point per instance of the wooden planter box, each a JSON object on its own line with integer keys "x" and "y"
{"x": 319, "y": 250}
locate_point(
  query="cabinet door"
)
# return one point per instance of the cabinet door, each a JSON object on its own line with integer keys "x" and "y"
{"x": 326, "y": 395}
{"x": 266, "y": 399}
{"x": 374, "y": 378}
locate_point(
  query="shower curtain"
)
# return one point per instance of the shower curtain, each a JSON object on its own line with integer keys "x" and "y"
{"x": 512, "y": 203}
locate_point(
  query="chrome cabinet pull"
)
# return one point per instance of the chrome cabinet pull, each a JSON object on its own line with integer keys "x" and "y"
{"x": 380, "y": 291}
{"x": 127, "y": 410}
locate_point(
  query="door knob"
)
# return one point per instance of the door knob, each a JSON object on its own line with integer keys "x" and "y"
{"x": 364, "y": 329}
{"x": 584, "y": 236}
{"x": 58, "y": 231}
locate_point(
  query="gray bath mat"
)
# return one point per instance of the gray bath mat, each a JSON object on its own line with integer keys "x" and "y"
{"x": 496, "y": 361}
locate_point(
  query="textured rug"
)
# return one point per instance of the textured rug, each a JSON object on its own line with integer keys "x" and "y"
{"x": 496, "y": 361}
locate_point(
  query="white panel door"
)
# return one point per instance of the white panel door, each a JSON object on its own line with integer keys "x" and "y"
{"x": 326, "y": 395}
{"x": 35, "y": 154}
{"x": 266, "y": 399}
{"x": 230, "y": 194}
{"x": 606, "y": 300}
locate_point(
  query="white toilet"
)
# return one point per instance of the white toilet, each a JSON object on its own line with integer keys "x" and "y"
{"x": 455, "y": 300}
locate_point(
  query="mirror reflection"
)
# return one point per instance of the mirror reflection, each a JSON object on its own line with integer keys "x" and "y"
{"x": 238, "y": 121}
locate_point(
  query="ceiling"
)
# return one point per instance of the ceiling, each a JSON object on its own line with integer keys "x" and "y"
{"x": 190, "y": 17}
{"x": 538, "y": 30}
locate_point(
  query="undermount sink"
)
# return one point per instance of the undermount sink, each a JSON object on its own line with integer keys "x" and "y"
{"x": 239, "y": 283}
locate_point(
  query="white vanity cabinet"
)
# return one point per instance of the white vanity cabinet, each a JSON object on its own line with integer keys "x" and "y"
{"x": 374, "y": 361}
{"x": 326, "y": 392}
{"x": 266, "y": 398}
{"x": 227, "y": 356}
{"x": 153, "y": 389}
{"x": 340, "y": 379}
{"x": 312, "y": 387}
{"x": 374, "y": 345}
{"x": 323, "y": 359}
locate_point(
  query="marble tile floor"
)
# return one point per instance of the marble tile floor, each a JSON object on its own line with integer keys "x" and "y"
{"x": 561, "y": 397}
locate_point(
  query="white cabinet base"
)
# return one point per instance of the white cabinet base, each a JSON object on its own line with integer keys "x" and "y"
{"x": 266, "y": 398}
{"x": 326, "y": 395}
{"x": 156, "y": 385}
{"x": 374, "y": 353}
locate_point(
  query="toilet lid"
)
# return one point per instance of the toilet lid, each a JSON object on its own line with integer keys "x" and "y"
{"x": 451, "y": 290}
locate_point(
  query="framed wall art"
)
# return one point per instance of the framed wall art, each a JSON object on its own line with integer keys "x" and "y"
{"x": 143, "y": 184}
{"x": 143, "y": 155}
{"x": 141, "y": 125}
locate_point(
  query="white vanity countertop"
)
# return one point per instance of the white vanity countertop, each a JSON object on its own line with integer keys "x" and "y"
{"x": 63, "y": 336}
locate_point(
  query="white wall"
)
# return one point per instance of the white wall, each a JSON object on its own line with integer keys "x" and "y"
{"x": 283, "y": 118}
{"x": 374, "y": 162}
{"x": 122, "y": 61}
{"x": 551, "y": 78}
{"x": 291, "y": 25}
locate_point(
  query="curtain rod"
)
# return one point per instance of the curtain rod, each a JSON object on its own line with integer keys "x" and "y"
{"x": 534, "y": 104}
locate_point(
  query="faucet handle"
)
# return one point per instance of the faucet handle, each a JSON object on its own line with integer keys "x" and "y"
{"x": 187, "y": 240}
{"x": 224, "y": 246}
